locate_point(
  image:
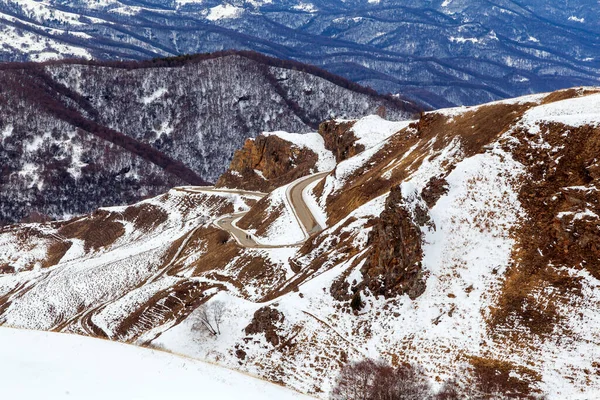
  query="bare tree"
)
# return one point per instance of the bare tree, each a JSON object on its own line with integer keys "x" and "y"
{"x": 210, "y": 317}
{"x": 376, "y": 380}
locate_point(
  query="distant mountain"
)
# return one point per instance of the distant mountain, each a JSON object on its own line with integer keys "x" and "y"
{"x": 440, "y": 52}
{"x": 77, "y": 136}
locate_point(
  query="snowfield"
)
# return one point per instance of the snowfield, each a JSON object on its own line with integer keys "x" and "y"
{"x": 372, "y": 130}
{"x": 42, "y": 365}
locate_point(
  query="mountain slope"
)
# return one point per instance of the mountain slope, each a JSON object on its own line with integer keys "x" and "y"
{"x": 77, "y": 136}
{"x": 465, "y": 242}
{"x": 438, "y": 52}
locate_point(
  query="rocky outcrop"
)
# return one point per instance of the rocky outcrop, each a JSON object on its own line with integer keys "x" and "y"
{"x": 266, "y": 163}
{"x": 340, "y": 139}
{"x": 436, "y": 188}
{"x": 266, "y": 320}
{"x": 393, "y": 266}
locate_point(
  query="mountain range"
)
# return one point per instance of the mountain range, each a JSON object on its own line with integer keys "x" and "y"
{"x": 437, "y": 52}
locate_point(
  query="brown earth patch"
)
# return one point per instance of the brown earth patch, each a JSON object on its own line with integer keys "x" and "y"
{"x": 145, "y": 217}
{"x": 258, "y": 218}
{"x": 98, "y": 230}
{"x": 6, "y": 268}
{"x": 253, "y": 268}
{"x": 567, "y": 94}
{"x": 553, "y": 238}
{"x": 502, "y": 379}
{"x": 216, "y": 253}
{"x": 174, "y": 303}
{"x": 55, "y": 253}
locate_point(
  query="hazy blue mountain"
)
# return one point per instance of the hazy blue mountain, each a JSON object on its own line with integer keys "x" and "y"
{"x": 440, "y": 52}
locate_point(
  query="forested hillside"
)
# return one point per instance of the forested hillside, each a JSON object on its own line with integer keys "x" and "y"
{"x": 76, "y": 136}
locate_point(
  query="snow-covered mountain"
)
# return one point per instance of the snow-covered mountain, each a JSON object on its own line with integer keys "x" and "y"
{"x": 78, "y": 136}
{"x": 440, "y": 52}
{"x": 465, "y": 242}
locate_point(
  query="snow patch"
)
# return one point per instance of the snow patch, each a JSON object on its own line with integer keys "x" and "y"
{"x": 308, "y": 7}
{"x": 573, "y": 112}
{"x": 373, "y": 129}
{"x": 224, "y": 11}
{"x": 154, "y": 96}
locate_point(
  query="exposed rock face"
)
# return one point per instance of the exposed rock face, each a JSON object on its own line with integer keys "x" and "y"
{"x": 266, "y": 320}
{"x": 277, "y": 160}
{"x": 436, "y": 188}
{"x": 340, "y": 139}
{"x": 393, "y": 266}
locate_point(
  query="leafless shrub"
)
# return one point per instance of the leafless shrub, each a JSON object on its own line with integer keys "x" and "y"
{"x": 209, "y": 317}
{"x": 376, "y": 380}
{"x": 449, "y": 391}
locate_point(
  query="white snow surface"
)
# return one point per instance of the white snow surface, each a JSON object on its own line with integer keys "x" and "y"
{"x": 43, "y": 365}
{"x": 224, "y": 11}
{"x": 373, "y": 129}
{"x": 312, "y": 202}
{"x": 285, "y": 229}
{"x": 312, "y": 141}
{"x": 573, "y": 112}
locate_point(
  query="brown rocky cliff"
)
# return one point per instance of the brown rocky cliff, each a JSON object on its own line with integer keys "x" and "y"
{"x": 340, "y": 139}
{"x": 279, "y": 161}
{"x": 393, "y": 266}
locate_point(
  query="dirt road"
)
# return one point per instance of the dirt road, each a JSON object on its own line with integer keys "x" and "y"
{"x": 302, "y": 213}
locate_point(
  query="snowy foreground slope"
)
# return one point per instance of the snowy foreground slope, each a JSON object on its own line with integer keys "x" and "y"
{"x": 38, "y": 365}
{"x": 465, "y": 242}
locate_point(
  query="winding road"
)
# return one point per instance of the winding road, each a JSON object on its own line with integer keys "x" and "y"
{"x": 301, "y": 210}
{"x": 294, "y": 196}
